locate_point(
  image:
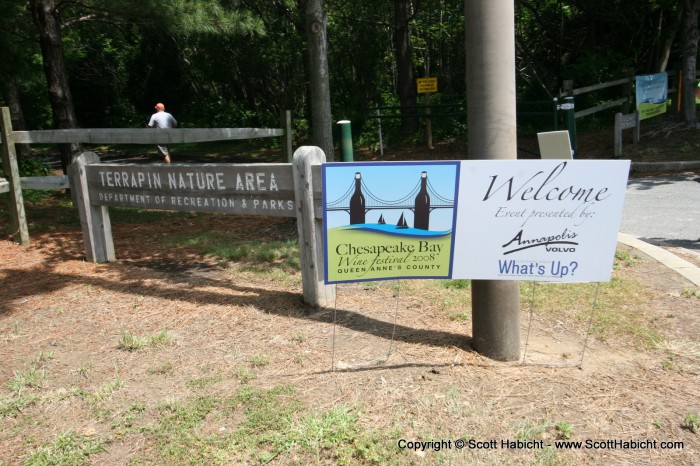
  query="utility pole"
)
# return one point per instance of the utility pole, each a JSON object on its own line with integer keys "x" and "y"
{"x": 490, "y": 54}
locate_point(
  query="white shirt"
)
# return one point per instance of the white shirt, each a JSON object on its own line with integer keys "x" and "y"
{"x": 162, "y": 120}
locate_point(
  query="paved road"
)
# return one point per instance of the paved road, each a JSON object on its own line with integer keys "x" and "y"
{"x": 664, "y": 210}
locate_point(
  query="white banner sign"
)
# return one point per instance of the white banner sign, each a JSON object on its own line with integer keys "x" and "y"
{"x": 548, "y": 220}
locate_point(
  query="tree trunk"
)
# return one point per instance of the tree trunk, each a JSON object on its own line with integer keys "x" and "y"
{"x": 47, "y": 21}
{"x": 404, "y": 64}
{"x": 665, "y": 52}
{"x": 321, "y": 118}
{"x": 11, "y": 96}
{"x": 690, "y": 53}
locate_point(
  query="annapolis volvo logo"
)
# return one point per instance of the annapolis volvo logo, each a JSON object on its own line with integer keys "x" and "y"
{"x": 563, "y": 242}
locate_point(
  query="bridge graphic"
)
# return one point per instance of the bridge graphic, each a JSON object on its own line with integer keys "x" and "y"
{"x": 374, "y": 202}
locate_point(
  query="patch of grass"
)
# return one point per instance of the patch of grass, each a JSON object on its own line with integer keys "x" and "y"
{"x": 617, "y": 307}
{"x": 43, "y": 356}
{"x": 24, "y": 385}
{"x": 624, "y": 259}
{"x": 33, "y": 377}
{"x": 244, "y": 375}
{"x": 16, "y": 327}
{"x": 95, "y": 400}
{"x": 536, "y": 431}
{"x": 335, "y": 436}
{"x": 127, "y": 421}
{"x": 162, "y": 338}
{"x": 453, "y": 296}
{"x": 460, "y": 316}
{"x": 67, "y": 448}
{"x": 103, "y": 392}
{"x": 564, "y": 430}
{"x": 123, "y": 215}
{"x": 227, "y": 246}
{"x": 165, "y": 368}
{"x": 457, "y": 284}
{"x": 691, "y": 422}
{"x": 300, "y": 359}
{"x": 260, "y": 360}
{"x": 176, "y": 436}
{"x": 690, "y": 293}
{"x": 681, "y": 348}
{"x": 83, "y": 370}
{"x": 14, "y": 406}
{"x": 130, "y": 342}
{"x": 203, "y": 382}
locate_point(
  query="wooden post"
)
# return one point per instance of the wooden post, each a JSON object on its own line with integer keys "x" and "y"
{"x": 287, "y": 151}
{"x": 623, "y": 122}
{"x": 428, "y": 122}
{"x": 569, "y": 111}
{"x": 618, "y": 134}
{"x": 316, "y": 292}
{"x": 379, "y": 125}
{"x": 18, "y": 218}
{"x": 94, "y": 219}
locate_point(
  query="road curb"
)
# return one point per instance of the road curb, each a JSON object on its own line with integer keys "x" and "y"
{"x": 652, "y": 167}
{"x": 668, "y": 259}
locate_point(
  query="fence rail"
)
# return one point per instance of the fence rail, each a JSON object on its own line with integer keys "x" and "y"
{"x": 142, "y": 135}
{"x": 14, "y": 184}
{"x": 44, "y": 183}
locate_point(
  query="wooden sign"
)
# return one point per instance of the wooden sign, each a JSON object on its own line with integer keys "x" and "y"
{"x": 276, "y": 189}
{"x": 251, "y": 189}
{"x": 427, "y": 85}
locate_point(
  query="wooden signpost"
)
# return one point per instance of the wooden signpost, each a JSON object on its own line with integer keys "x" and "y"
{"x": 623, "y": 122}
{"x": 18, "y": 220}
{"x": 427, "y": 86}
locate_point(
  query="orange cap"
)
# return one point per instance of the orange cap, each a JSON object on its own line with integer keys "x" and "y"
{"x": 160, "y": 106}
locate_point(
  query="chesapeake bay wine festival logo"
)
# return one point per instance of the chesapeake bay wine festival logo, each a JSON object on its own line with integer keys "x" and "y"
{"x": 389, "y": 220}
{"x": 543, "y": 220}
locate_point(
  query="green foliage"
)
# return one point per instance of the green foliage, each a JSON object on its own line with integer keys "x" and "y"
{"x": 25, "y": 385}
{"x": 457, "y": 284}
{"x": 690, "y": 293}
{"x": 130, "y": 342}
{"x": 227, "y": 63}
{"x": 31, "y": 166}
{"x": 34, "y": 166}
{"x": 257, "y": 426}
{"x": 67, "y": 448}
{"x": 691, "y": 422}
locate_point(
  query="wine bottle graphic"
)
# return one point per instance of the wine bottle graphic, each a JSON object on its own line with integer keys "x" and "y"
{"x": 357, "y": 202}
{"x": 422, "y": 205}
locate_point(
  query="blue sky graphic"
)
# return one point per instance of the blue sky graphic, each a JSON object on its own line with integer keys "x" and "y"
{"x": 391, "y": 182}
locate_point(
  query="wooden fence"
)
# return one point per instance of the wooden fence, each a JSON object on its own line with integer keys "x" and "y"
{"x": 625, "y": 102}
{"x": 14, "y": 184}
{"x": 291, "y": 189}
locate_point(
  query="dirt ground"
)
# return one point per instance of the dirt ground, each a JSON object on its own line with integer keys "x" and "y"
{"x": 225, "y": 317}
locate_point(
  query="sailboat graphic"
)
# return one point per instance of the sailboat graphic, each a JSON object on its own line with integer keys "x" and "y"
{"x": 381, "y": 220}
{"x": 402, "y": 222}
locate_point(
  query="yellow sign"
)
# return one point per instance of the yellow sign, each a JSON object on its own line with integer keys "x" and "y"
{"x": 426, "y": 85}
